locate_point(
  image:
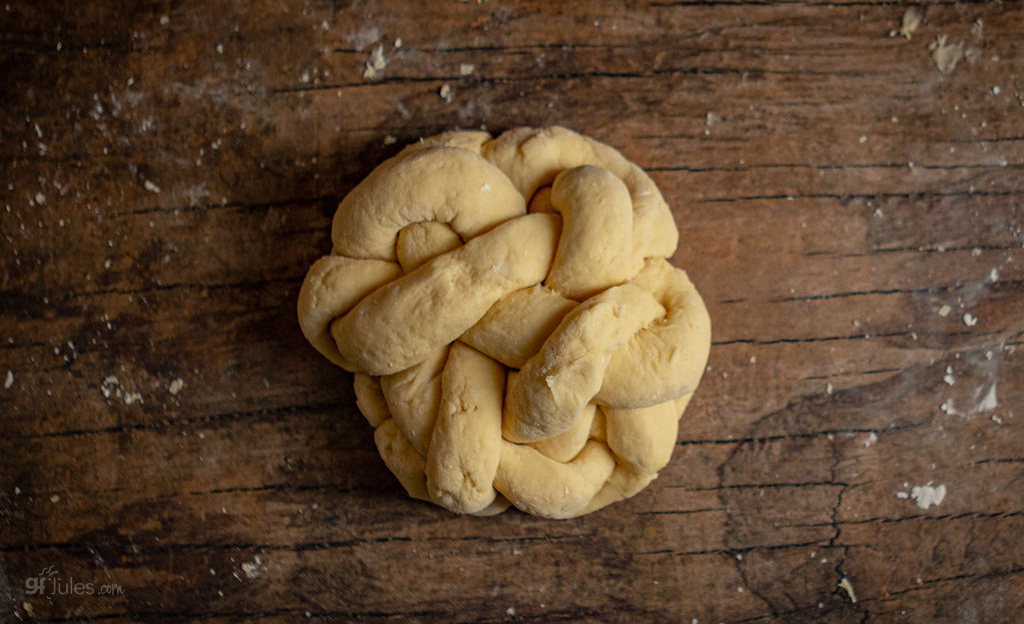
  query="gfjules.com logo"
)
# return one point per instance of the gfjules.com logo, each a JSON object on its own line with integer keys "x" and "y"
{"x": 50, "y": 583}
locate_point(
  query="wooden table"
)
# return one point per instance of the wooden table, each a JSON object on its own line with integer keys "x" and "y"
{"x": 853, "y": 216}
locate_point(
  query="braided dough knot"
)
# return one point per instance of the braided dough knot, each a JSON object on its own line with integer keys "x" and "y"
{"x": 516, "y": 332}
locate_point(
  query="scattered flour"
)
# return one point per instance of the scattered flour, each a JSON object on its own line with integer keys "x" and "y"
{"x": 375, "y": 63}
{"x": 252, "y": 568}
{"x": 364, "y": 37}
{"x": 112, "y": 387}
{"x": 948, "y": 377}
{"x": 446, "y": 93}
{"x": 871, "y": 439}
{"x": 8, "y": 380}
{"x": 911, "y": 20}
{"x": 847, "y": 586}
{"x": 176, "y": 386}
{"x": 927, "y": 495}
{"x": 946, "y": 56}
{"x": 988, "y": 402}
{"x": 710, "y": 119}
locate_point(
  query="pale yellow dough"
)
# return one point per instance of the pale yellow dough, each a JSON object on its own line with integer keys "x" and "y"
{"x": 517, "y": 335}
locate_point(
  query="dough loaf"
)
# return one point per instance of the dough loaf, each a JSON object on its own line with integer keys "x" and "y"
{"x": 516, "y": 332}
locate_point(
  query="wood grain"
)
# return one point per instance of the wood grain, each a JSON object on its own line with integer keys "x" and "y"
{"x": 846, "y": 209}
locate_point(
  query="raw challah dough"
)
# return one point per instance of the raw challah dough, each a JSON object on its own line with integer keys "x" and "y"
{"x": 516, "y": 332}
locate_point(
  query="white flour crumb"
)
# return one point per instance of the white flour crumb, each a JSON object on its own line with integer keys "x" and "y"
{"x": 132, "y": 397}
{"x": 40, "y": 199}
{"x": 872, "y": 438}
{"x": 845, "y": 585}
{"x": 911, "y": 20}
{"x": 8, "y": 380}
{"x": 829, "y": 389}
{"x": 926, "y": 495}
{"x": 446, "y": 93}
{"x": 996, "y": 419}
{"x": 944, "y": 311}
{"x": 466, "y": 69}
{"x": 995, "y": 90}
{"x": 948, "y": 377}
{"x": 375, "y": 63}
{"x": 252, "y": 568}
{"x": 970, "y": 320}
{"x": 990, "y": 401}
{"x": 398, "y": 43}
{"x": 149, "y": 186}
{"x": 304, "y": 78}
{"x": 111, "y": 385}
{"x": 55, "y": 498}
{"x": 176, "y": 386}
{"x": 902, "y": 495}
{"x": 946, "y": 56}
{"x": 993, "y": 275}
{"x": 710, "y": 119}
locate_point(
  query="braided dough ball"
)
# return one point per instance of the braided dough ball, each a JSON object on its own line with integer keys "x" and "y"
{"x": 516, "y": 333}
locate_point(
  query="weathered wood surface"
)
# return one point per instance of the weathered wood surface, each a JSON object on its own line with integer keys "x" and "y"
{"x": 170, "y": 170}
